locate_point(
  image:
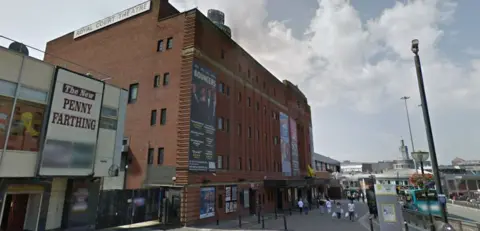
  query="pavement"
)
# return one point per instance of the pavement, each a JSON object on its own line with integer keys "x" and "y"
{"x": 314, "y": 221}
{"x": 467, "y": 213}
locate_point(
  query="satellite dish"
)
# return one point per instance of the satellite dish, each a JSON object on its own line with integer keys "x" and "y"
{"x": 19, "y": 47}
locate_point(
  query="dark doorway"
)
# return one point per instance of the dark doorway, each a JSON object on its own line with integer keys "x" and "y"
{"x": 279, "y": 199}
{"x": 14, "y": 212}
{"x": 253, "y": 201}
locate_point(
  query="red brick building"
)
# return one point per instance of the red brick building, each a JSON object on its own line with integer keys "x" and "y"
{"x": 152, "y": 54}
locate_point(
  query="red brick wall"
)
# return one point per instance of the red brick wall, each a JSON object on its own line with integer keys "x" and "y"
{"x": 126, "y": 53}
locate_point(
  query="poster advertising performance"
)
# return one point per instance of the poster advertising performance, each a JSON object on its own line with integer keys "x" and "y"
{"x": 285, "y": 145}
{"x": 202, "y": 156}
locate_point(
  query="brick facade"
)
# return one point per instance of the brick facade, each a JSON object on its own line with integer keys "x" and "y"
{"x": 126, "y": 53}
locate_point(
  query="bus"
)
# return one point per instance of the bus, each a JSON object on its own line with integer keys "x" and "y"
{"x": 419, "y": 200}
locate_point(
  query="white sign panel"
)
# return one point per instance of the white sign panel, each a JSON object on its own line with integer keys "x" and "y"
{"x": 71, "y": 138}
{"x": 128, "y": 13}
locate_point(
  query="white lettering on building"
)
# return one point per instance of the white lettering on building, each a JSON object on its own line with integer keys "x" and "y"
{"x": 128, "y": 13}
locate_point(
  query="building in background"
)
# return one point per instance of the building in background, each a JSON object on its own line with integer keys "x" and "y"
{"x": 326, "y": 169}
{"x": 205, "y": 120}
{"x": 355, "y": 167}
{"x": 61, "y": 136}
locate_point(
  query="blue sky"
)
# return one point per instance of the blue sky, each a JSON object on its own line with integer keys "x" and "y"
{"x": 352, "y": 60}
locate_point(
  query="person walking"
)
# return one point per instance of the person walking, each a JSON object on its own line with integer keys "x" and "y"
{"x": 321, "y": 203}
{"x": 351, "y": 210}
{"x": 338, "y": 210}
{"x": 328, "y": 203}
{"x": 300, "y": 205}
{"x": 306, "y": 206}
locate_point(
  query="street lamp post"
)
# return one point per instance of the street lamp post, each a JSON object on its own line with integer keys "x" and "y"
{"x": 405, "y": 98}
{"x": 428, "y": 128}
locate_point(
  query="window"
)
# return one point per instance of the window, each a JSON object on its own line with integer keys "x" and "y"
{"x": 150, "y": 156}
{"x": 108, "y": 118}
{"x": 21, "y": 137}
{"x": 132, "y": 93}
{"x": 161, "y": 154}
{"x": 239, "y": 97}
{"x": 166, "y": 78}
{"x": 249, "y": 132}
{"x": 153, "y": 117}
{"x": 221, "y": 87}
{"x": 227, "y": 125}
{"x": 257, "y": 105}
{"x": 249, "y": 164}
{"x": 222, "y": 54}
{"x": 275, "y": 140}
{"x": 249, "y": 102}
{"x": 220, "y": 123}
{"x": 240, "y": 163}
{"x": 239, "y": 129}
{"x": 163, "y": 116}
{"x": 220, "y": 162}
{"x": 160, "y": 45}
{"x": 169, "y": 43}
{"x": 248, "y": 74}
{"x": 156, "y": 81}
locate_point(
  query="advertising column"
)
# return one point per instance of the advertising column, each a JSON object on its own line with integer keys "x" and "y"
{"x": 71, "y": 137}
{"x": 285, "y": 145}
{"x": 294, "y": 141}
{"x": 202, "y": 156}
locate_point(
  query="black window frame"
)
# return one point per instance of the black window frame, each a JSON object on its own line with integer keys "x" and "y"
{"x": 166, "y": 78}
{"x": 150, "y": 157}
{"x": 160, "y": 45}
{"x": 160, "y": 155}
{"x": 153, "y": 117}
{"x": 169, "y": 43}
{"x": 163, "y": 116}
{"x": 132, "y": 99}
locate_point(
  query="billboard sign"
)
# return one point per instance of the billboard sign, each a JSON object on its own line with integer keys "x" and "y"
{"x": 202, "y": 156}
{"x": 285, "y": 145}
{"x": 118, "y": 17}
{"x": 71, "y": 138}
{"x": 294, "y": 145}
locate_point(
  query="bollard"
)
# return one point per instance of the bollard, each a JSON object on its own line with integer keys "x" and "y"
{"x": 406, "y": 225}
{"x": 290, "y": 211}
{"x": 218, "y": 221}
{"x": 240, "y": 221}
{"x": 276, "y": 213}
{"x": 258, "y": 217}
{"x": 263, "y": 222}
{"x": 285, "y": 222}
{"x": 371, "y": 224}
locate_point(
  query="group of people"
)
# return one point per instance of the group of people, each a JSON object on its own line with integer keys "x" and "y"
{"x": 331, "y": 207}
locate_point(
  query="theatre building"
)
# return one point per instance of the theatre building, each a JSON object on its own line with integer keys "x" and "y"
{"x": 61, "y": 136}
{"x": 205, "y": 120}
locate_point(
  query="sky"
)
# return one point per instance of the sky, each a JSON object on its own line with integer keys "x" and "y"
{"x": 352, "y": 60}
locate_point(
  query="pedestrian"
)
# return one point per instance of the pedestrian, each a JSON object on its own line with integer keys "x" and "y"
{"x": 328, "y": 203}
{"x": 351, "y": 210}
{"x": 300, "y": 205}
{"x": 321, "y": 203}
{"x": 306, "y": 206}
{"x": 339, "y": 210}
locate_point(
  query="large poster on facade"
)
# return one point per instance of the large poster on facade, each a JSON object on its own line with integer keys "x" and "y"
{"x": 202, "y": 156}
{"x": 294, "y": 145}
{"x": 207, "y": 202}
{"x": 285, "y": 145}
{"x": 310, "y": 132}
{"x": 71, "y": 137}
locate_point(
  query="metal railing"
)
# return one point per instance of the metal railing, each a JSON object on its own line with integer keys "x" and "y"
{"x": 465, "y": 204}
{"x": 422, "y": 220}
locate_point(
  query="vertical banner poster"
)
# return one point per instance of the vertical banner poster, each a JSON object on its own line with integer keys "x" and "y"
{"x": 71, "y": 137}
{"x": 294, "y": 145}
{"x": 285, "y": 145}
{"x": 230, "y": 198}
{"x": 202, "y": 156}
{"x": 207, "y": 202}
{"x": 312, "y": 151}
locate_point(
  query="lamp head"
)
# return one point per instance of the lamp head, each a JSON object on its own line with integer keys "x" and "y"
{"x": 415, "y": 43}
{"x": 420, "y": 156}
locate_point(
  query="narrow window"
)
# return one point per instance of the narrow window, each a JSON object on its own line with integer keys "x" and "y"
{"x": 153, "y": 117}
{"x": 156, "y": 81}
{"x": 150, "y": 156}
{"x": 163, "y": 116}
{"x": 133, "y": 93}
{"x": 220, "y": 123}
{"x": 169, "y": 43}
{"x": 160, "y": 45}
{"x": 220, "y": 162}
{"x": 161, "y": 153}
{"x": 166, "y": 78}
